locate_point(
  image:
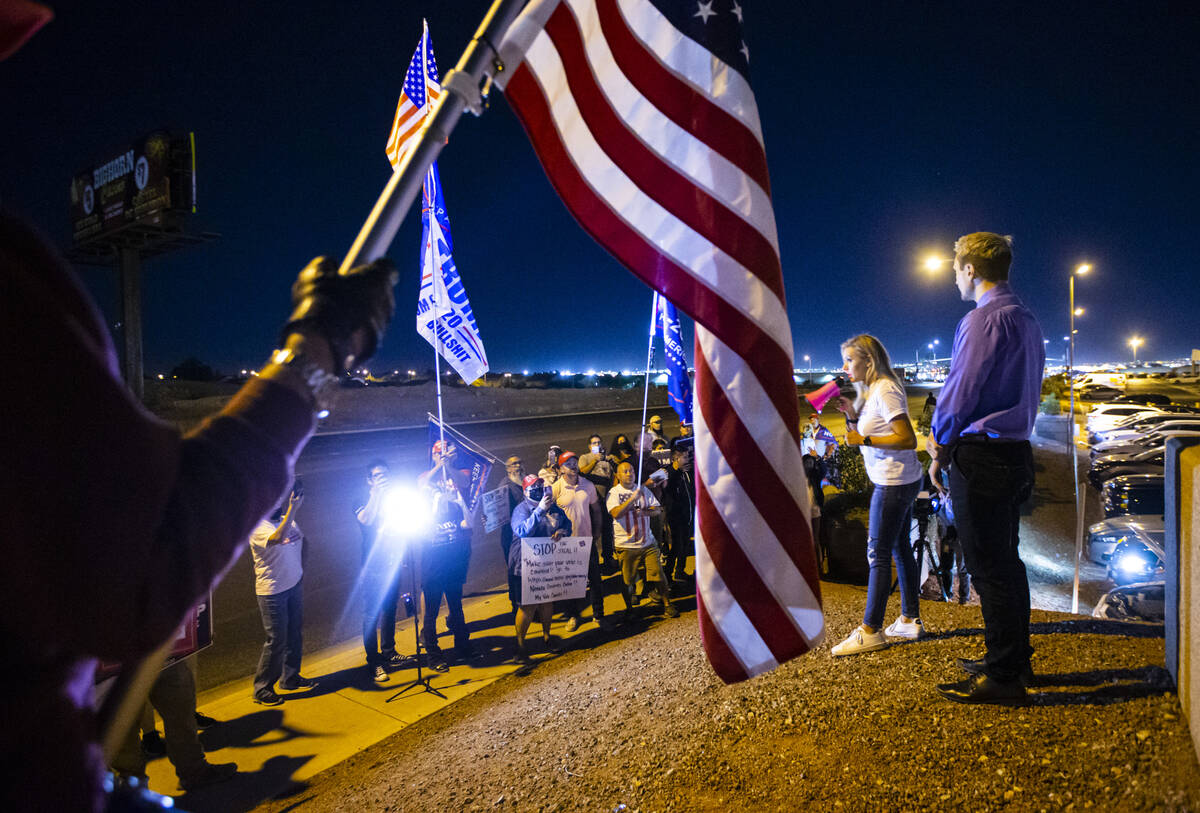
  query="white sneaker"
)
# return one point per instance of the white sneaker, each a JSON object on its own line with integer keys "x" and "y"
{"x": 572, "y": 623}
{"x": 912, "y": 630}
{"x": 860, "y": 641}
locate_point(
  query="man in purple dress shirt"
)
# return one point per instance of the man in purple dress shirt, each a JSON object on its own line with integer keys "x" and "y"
{"x": 980, "y": 434}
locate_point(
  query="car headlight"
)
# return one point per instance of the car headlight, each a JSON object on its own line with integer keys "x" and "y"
{"x": 1132, "y": 564}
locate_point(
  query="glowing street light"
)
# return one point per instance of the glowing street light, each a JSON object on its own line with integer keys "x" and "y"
{"x": 1135, "y": 342}
{"x": 934, "y": 263}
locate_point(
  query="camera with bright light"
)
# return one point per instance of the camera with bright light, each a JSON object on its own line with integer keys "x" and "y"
{"x": 404, "y": 513}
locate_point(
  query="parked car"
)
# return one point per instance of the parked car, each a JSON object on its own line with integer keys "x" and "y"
{"x": 1138, "y": 423}
{"x": 1151, "y": 440}
{"x": 1137, "y": 560}
{"x": 1155, "y": 398}
{"x": 1191, "y": 423}
{"x": 1099, "y": 392}
{"x": 1134, "y": 494}
{"x": 1106, "y": 416}
{"x": 1104, "y": 536}
{"x": 1110, "y": 466}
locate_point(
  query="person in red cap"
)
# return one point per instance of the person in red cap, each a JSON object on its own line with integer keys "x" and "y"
{"x": 579, "y": 501}
{"x": 535, "y": 516}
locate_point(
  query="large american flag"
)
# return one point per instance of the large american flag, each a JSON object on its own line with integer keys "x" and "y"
{"x": 643, "y": 118}
{"x": 421, "y": 90}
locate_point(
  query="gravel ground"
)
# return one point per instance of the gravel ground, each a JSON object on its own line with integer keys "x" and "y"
{"x": 640, "y": 723}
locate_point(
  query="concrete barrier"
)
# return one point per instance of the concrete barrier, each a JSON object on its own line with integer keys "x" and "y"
{"x": 1182, "y": 589}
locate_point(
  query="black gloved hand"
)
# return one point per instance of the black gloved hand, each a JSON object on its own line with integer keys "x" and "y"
{"x": 350, "y": 311}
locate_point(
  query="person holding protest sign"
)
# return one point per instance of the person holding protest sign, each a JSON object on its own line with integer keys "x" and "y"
{"x": 578, "y": 499}
{"x": 536, "y": 516}
{"x": 635, "y": 544}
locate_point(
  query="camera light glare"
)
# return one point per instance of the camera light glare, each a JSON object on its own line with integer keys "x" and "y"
{"x": 404, "y": 512}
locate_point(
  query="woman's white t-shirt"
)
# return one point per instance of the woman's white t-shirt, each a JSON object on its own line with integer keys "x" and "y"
{"x": 886, "y": 467}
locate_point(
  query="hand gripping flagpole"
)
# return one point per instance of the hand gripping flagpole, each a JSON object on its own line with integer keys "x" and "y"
{"x": 479, "y": 60}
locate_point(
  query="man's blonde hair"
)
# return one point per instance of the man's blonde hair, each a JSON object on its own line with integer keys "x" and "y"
{"x": 988, "y": 252}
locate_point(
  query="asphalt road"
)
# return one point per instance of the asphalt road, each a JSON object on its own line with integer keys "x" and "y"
{"x": 334, "y": 471}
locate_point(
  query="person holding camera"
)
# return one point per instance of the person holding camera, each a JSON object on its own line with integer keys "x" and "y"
{"x": 877, "y": 421}
{"x": 536, "y": 516}
{"x": 277, "y": 547}
{"x": 444, "y": 562}
{"x": 380, "y": 578}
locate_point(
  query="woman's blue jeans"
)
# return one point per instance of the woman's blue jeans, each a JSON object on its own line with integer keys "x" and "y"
{"x": 888, "y": 540}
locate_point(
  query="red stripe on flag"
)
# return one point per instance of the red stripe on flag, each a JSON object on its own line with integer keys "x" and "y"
{"x": 706, "y": 306}
{"x": 679, "y": 101}
{"x": 771, "y": 621}
{"x": 676, "y": 193}
{"x": 771, "y": 496}
{"x": 727, "y": 666}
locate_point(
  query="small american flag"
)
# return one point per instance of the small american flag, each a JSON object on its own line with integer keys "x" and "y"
{"x": 642, "y": 115}
{"x": 421, "y": 90}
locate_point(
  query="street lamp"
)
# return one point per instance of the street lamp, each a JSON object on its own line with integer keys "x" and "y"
{"x": 934, "y": 263}
{"x": 1079, "y": 271}
{"x": 1136, "y": 342}
{"x": 808, "y": 367}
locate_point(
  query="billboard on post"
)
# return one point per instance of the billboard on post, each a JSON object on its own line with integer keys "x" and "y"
{"x": 144, "y": 183}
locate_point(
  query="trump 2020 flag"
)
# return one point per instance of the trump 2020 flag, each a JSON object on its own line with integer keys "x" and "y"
{"x": 444, "y": 315}
{"x": 679, "y": 386}
{"x": 642, "y": 115}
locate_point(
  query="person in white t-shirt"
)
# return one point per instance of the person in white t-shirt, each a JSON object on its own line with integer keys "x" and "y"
{"x": 631, "y": 508}
{"x": 276, "y": 547}
{"x": 877, "y": 421}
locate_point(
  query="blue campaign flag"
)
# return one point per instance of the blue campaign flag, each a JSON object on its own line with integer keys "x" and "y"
{"x": 442, "y": 303}
{"x": 470, "y": 460}
{"x": 679, "y": 385}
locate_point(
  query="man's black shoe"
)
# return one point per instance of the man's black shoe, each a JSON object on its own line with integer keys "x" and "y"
{"x": 976, "y": 668}
{"x": 203, "y": 721}
{"x": 268, "y": 698}
{"x": 298, "y": 683}
{"x": 983, "y": 689}
{"x": 153, "y": 745}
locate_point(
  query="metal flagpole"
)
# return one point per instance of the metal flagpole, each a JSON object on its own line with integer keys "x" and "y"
{"x": 433, "y": 258}
{"x": 480, "y": 59}
{"x": 646, "y": 388}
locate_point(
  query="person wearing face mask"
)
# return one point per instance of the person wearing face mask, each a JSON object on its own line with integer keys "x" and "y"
{"x": 877, "y": 420}
{"x": 536, "y": 515}
{"x": 598, "y": 468}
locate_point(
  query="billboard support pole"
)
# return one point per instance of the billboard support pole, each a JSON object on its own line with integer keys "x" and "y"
{"x": 131, "y": 319}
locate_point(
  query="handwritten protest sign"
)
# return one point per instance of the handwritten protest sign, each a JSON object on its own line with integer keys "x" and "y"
{"x": 554, "y": 570}
{"x": 495, "y": 508}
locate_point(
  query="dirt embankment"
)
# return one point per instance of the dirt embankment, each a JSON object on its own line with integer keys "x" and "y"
{"x": 640, "y": 723}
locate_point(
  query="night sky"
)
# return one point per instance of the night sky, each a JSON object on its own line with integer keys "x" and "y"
{"x": 891, "y": 128}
